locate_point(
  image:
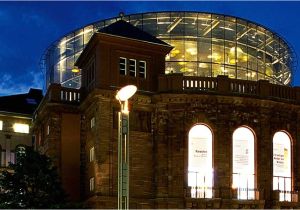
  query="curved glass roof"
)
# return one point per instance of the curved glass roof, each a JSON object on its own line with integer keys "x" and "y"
{"x": 205, "y": 44}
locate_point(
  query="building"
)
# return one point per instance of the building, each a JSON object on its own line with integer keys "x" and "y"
{"x": 220, "y": 132}
{"x": 16, "y": 113}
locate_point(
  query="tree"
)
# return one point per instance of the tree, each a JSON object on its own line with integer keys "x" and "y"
{"x": 32, "y": 182}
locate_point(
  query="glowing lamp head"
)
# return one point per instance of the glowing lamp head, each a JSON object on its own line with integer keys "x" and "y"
{"x": 126, "y": 92}
{"x": 75, "y": 69}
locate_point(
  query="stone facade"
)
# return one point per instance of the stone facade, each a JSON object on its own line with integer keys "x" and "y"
{"x": 162, "y": 113}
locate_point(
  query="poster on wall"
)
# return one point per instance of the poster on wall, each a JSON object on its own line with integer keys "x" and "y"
{"x": 198, "y": 154}
{"x": 280, "y": 160}
{"x": 240, "y": 155}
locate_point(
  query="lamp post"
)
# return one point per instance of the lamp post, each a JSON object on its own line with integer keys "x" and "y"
{"x": 123, "y": 145}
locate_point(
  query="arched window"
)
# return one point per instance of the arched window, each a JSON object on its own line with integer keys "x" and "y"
{"x": 19, "y": 152}
{"x": 200, "y": 169}
{"x": 282, "y": 179}
{"x": 243, "y": 163}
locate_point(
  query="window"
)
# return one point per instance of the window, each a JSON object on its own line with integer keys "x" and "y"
{"x": 243, "y": 163}
{"x": 92, "y": 184}
{"x": 1, "y": 125}
{"x": 93, "y": 122}
{"x": 122, "y": 66}
{"x": 48, "y": 130}
{"x": 19, "y": 152}
{"x": 92, "y": 154}
{"x": 21, "y": 128}
{"x": 142, "y": 69}
{"x": 282, "y": 180}
{"x": 200, "y": 170}
{"x": 132, "y": 67}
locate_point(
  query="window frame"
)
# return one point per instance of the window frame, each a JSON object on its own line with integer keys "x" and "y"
{"x": 198, "y": 191}
{"x": 143, "y": 74}
{"x": 248, "y": 189}
{"x": 125, "y": 66}
{"x": 92, "y": 154}
{"x": 285, "y": 194}
{"x": 92, "y": 184}
{"x": 92, "y": 122}
{"x": 132, "y": 72}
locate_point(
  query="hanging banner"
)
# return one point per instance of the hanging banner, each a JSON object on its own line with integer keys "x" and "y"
{"x": 280, "y": 160}
{"x": 198, "y": 153}
{"x": 240, "y": 156}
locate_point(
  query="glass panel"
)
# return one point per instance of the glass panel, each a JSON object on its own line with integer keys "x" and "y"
{"x": 70, "y": 45}
{"x": 204, "y": 25}
{"x": 191, "y": 50}
{"x": 78, "y": 40}
{"x": 204, "y": 69}
{"x": 87, "y": 34}
{"x": 204, "y": 50}
{"x": 230, "y": 29}
{"x": 149, "y": 23}
{"x": 217, "y": 51}
{"x": 163, "y": 21}
{"x": 218, "y": 25}
{"x": 177, "y": 24}
{"x": 190, "y": 22}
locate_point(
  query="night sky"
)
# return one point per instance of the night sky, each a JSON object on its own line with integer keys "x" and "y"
{"x": 28, "y": 28}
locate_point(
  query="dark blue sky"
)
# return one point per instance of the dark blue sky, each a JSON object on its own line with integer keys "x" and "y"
{"x": 28, "y": 28}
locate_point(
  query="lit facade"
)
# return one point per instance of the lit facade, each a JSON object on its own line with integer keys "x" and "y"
{"x": 16, "y": 114}
{"x": 204, "y": 45}
{"x": 196, "y": 141}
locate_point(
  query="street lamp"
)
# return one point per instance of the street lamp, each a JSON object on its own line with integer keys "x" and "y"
{"x": 123, "y": 145}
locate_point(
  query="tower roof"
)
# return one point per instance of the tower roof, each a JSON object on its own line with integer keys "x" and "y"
{"x": 125, "y": 29}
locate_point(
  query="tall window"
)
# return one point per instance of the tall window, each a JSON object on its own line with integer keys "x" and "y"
{"x": 132, "y": 67}
{"x": 1, "y": 125}
{"x": 122, "y": 66}
{"x": 142, "y": 69}
{"x": 282, "y": 180}
{"x": 93, "y": 121}
{"x": 243, "y": 163}
{"x": 200, "y": 169}
{"x": 92, "y": 184}
{"x": 92, "y": 154}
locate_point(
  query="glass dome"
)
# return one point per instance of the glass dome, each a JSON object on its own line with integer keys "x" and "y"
{"x": 204, "y": 44}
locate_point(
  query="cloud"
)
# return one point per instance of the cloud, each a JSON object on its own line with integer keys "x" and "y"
{"x": 10, "y": 85}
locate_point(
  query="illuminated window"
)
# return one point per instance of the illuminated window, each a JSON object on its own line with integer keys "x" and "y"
{"x": 48, "y": 130}
{"x": 132, "y": 67}
{"x": 92, "y": 154}
{"x": 122, "y": 66}
{"x": 1, "y": 125}
{"x": 93, "y": 122}
{"x": 92, "y": 184}
{"x": 142, "y": 69}
{"x": 243, "y": 163}
{"x": 21, "y": 128}
{"x": 282, "y": 165}
{"x": 200, "y": 170}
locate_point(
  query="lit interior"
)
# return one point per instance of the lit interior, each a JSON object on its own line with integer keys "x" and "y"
{"x": 204, "y": 45}
{"x": 282, "y": 165}
{"x": 21, "y": 128}
{"x": 200, "y": 170}
{"x": 1, "y": 125}
{"x": 243, "y": 163}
